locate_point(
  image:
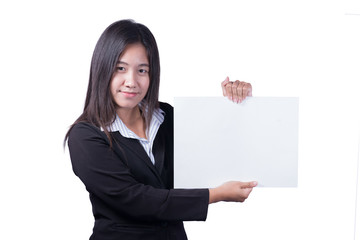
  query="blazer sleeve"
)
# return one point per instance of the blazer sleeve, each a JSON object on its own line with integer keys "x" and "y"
{"x": 106, "y": 176}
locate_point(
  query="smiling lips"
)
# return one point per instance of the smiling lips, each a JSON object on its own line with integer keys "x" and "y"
{"x": 129, "y": 94}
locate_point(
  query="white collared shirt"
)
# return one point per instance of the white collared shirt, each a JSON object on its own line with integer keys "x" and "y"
{"x": 156, "y": 120}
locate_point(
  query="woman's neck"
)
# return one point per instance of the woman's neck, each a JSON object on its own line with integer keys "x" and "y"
{"x": 133, "y": 120}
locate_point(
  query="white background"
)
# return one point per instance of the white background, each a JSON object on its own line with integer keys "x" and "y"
{"x": 307, "y": 49}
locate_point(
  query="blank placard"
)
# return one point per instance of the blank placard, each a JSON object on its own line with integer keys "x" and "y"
{"x": 217, "y": 140}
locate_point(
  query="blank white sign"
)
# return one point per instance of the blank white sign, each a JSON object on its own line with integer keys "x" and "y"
{"x": 217, "y": 140}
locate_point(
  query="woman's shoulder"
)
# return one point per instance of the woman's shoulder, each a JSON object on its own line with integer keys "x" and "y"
{"x": 167, "y": 108}
{"x": 83, "y": 130}
{"x": 168, "y": 113}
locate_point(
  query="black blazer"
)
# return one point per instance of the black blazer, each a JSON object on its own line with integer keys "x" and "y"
{"x": 132, "y": 198}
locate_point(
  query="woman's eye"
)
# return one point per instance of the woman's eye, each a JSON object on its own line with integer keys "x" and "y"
{"x": 121, "y": 68}
{"x": 143, "y": 71}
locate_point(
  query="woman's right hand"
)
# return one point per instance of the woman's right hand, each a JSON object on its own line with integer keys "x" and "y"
{"x": 231, "y": 192}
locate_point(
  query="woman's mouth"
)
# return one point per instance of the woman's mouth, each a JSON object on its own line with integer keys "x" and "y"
{"x": 129, "y": 94}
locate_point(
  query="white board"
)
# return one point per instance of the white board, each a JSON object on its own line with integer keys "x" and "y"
{"x": 217, "y": 140}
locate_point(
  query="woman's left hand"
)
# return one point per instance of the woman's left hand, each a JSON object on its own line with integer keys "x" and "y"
{"x": 236, "y": 91}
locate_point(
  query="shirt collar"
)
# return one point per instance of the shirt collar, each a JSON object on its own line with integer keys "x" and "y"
{"x": 119, "y": 126}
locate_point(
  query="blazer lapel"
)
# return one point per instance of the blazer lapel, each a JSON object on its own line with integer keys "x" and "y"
{"x": 134, "y": 146}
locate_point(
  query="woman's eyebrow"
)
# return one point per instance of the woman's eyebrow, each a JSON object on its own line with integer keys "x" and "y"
{"x": 140, "y": 65}
{"x": 121, "y": 62}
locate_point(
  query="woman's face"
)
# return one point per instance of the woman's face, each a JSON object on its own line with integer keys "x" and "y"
{"x": 130, "y": 81}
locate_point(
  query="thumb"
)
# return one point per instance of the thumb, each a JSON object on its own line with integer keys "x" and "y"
{"x": 249, "y": 184}
{"x": 223, "y": 84}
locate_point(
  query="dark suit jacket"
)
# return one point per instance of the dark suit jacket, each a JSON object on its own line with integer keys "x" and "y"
{"x": 132, "y": 198}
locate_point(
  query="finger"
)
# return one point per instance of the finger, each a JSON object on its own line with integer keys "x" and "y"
{"x": 223, "y": 84}
{"x": 248, "y": 191}
{"x": 228, "y": 88}
{"x": 245, "y": 192}
{"x": 247, "y": 90}
{"x": 234, "y": 91}
{"x": 240, "y": 91}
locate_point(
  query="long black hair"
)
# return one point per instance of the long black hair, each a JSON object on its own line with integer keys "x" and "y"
{"x": 100, "y": 109}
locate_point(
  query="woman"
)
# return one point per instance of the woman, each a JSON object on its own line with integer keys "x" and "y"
{"x": 121, "y": 146}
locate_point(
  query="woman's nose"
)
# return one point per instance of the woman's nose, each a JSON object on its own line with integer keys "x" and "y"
{"x": 130, "y": 80}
